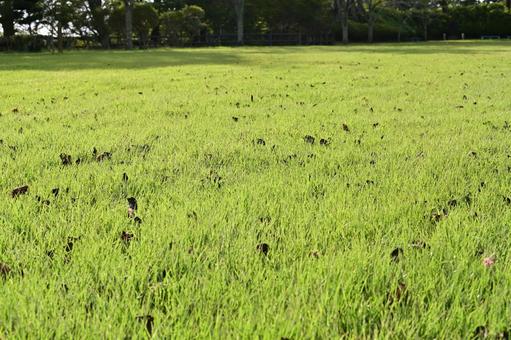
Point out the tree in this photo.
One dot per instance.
(7, 17)
(423, 10)
(373, 8)
(128, 21)
(30, 14)
(343, 8)
(182, 26)
(239, 8)
(98, 12)
(145, 19)
(57, 15)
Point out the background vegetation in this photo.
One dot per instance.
(36, 24)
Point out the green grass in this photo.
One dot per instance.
(208, 193)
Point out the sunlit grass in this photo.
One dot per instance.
(416, 154)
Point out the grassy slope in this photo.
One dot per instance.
(318, 198)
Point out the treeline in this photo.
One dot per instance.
(35, 24)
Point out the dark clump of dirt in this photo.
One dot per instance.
(263, 248)
(309, 139)
(345, 127)
(65, 159)
(19, 191)
(124, 177)
(396, 254)
(235, 119)
(137, 220)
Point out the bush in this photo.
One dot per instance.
(383, 31)
(22, 43)
(479, 20)
(182, 27)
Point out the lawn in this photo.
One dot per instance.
(285, 192)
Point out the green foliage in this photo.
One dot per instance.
(477, 20)
(145, 19)
(22, 43)
(182, 26)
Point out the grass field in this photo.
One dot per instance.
(377, 226)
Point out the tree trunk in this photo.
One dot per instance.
(425, 32)
(60, 38)
(508, 3)
(370, 30)
(105, 41)
(239, 7)
(99, 22)
(7, 18)
(129, 23)
(345, 29)
(343, 7)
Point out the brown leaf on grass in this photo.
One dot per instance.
(104, 156)
(419, 244)
(5, 270)
(126, 237)
(65, 159)
(398, 295)
(55, 192)
(19, 191)
(309, 139)
(132, 206)
(324, 142)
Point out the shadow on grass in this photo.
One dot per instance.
(419, 48)
(144, 59)
(111, 60)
